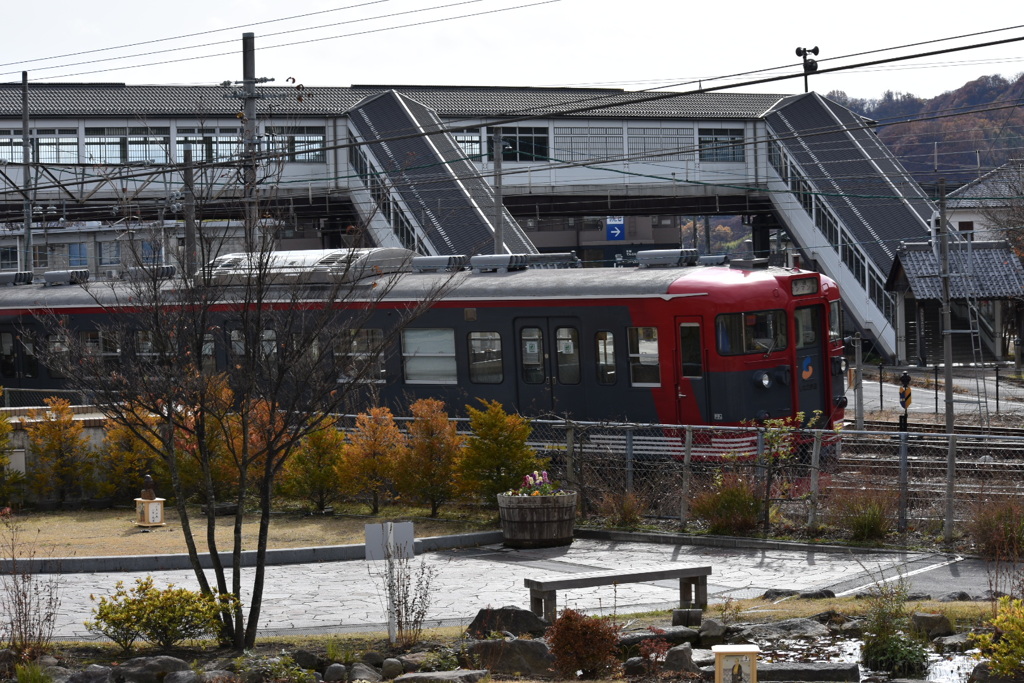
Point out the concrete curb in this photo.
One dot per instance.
(150, 563)
(344, 553)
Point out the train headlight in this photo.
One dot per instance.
(762, 379)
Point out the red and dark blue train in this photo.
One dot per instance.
(668, 343)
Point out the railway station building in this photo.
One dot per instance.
(601, 172)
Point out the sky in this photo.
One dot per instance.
(635, 45)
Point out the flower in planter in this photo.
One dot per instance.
(538, 484)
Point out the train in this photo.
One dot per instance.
(678, 340)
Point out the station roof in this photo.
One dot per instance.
(978, 270)
(66, 100)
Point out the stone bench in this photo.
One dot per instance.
(693, 586)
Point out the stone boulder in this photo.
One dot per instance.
(182, 677)
(391, 668)
(361, 671)
(458, 676)
(712, 632)
(788, 628)
(509, 619)
(932, 625)
(147, 669)
(680, 658)
(674, 635)
(530, 658)
(335, 672)
(94, 673)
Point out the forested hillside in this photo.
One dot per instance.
(977, 126)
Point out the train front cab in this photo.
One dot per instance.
(762, 358)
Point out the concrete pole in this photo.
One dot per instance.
(26, 181)
(499, 207)
(190, 214)
(249, 138)
(947, 333)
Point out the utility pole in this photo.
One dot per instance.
(249, 137)
(947, 325)
(499, 207)
(190, 214)
(26, 181)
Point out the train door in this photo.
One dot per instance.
(691, 377)
(549, 373)
(17, 361)
(810, 360)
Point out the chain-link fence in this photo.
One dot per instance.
(980, 394)
(801, 479)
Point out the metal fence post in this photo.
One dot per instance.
(950, 488)
(881, 404)
(629, 459)
(901, 523)
(936, 389)
(997, 388)
(812, 516)
(570, 457)
(684, 495)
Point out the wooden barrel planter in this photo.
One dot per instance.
(537, 521)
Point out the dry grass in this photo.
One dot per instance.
(113, 532)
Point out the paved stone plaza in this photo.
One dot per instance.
(346, 596)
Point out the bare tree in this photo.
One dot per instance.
(233, 366)
(1003, 209)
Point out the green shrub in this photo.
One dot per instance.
(997, 528)
(867, 514)
(888, 645)
(30, 672)
(1005, 647)
(496, 457)
(731, 506)
(282, 669)
(162, 617)
(583, 647)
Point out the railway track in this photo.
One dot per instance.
(934, 428)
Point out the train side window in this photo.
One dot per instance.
(835, 321)
(605, 342)
(236, 345)
(567, 355)
(807, 320)
(644, 367)
(485, 358)
(8, 368)
(28, 348)
(361, 355)
(102, 344)
(268, 343)
(531, 345)
(209, 354)
(754, 332)
(690, 352)
(428, 355)
(58, 350)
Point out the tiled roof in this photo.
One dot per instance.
(981, 270)
(990, 190)
(107, 99)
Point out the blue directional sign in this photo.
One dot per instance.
(615, 227)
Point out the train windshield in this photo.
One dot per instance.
(753, 332)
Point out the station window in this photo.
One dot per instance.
(361, 355)
(721, 144)
(567, 354)
(428, 356)
(78, 254)
(644, 368)
(755, 332)
(485, 358)
(605, 343)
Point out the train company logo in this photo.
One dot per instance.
(807, 371)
